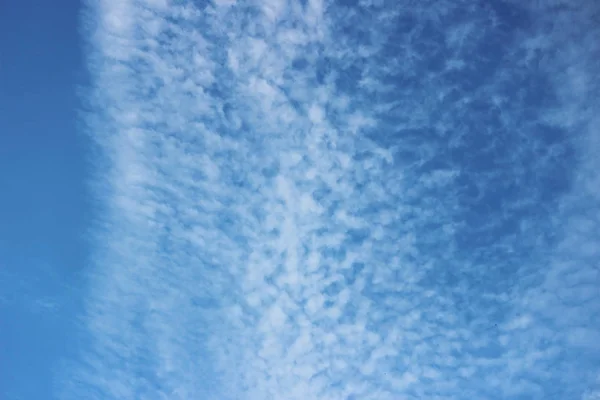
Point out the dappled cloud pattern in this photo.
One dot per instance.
(342, 200)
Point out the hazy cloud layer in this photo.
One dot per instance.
(343, 200)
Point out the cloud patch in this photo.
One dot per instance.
(326, 200)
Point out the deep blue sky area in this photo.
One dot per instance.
(42, 193)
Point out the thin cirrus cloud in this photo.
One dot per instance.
(325, 200)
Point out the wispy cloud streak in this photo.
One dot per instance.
(322, 200)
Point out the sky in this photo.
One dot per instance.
(330, 200)
(44, 208)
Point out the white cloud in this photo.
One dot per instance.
(295, 208)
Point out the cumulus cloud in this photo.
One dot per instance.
(322, 200)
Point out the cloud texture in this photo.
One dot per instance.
(343, 200)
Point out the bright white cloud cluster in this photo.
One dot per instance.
(325, 200)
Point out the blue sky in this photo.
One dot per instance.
(44, 209)
(300, 200)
